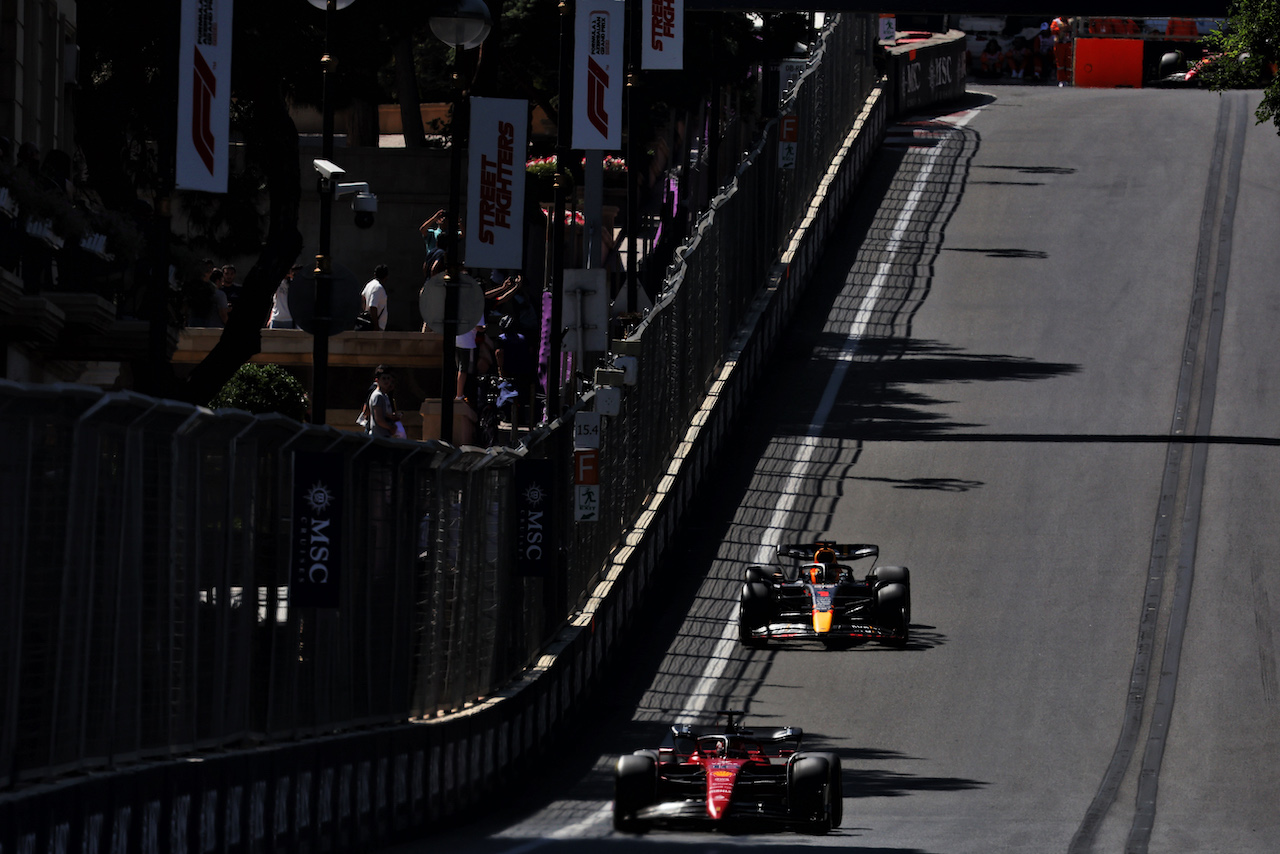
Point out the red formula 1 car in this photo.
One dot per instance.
(822, 598)
(728, 776)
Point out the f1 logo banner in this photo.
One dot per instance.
(535, 546)
(495, 222)
(598, 74)
(662, 42)
(204, 96)
(316, 561)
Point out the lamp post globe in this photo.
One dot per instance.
(461, 23)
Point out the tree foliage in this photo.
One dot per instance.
(263, 388)
(1249, 48)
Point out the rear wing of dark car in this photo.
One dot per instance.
(844, 551)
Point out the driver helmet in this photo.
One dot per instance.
(824, 570)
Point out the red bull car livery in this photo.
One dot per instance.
(821, 597)
(729, 776)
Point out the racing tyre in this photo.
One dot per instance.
(809, 792)
(893, 610)
(835, 787)
(890, 575)
(635, 786)
(756, 574)
(753, 611)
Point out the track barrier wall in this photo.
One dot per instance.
(161, 693)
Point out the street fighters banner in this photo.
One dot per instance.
(204, 96)
(598, 75)
(315, 565)
(662, 45)
(535, 545)
(495, 216)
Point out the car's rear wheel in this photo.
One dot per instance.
(809, 793)
(635, 786)
(835, 788)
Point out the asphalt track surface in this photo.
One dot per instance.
(1039, 368)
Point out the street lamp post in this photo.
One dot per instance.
(461, 24)
(322, 321)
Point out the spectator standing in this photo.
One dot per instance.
(516, 367)
(1061, 28)
(280, 318)
(230, 286)
(221, 306)
(374, 298)
(383, 417)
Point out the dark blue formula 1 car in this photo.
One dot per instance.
(821, 597)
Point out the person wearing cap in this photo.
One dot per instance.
(383, 417)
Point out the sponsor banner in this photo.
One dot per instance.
(598, 74)
(535, 547)
(495, 214)
(204, 96)
(315, 569)
(662, 27)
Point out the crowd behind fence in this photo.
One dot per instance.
(145, 545)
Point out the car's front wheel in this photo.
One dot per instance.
(809, 793)
(635, 786)
(893, 611)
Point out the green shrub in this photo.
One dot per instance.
(263, 388)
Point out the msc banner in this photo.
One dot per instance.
(662, 24)
(598, 74)
(204, 95)
(495, 216)
(535, 551)
(316, 563)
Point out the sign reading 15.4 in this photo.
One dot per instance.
(586, 430)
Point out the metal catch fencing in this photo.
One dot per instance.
(710, 287)
(145, 587)
(145, 545)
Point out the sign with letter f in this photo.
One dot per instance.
(598, 76)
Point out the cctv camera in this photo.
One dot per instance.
(328, 170)
(365, 205)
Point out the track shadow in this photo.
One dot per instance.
(882, 397)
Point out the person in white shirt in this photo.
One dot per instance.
(280, 318)
(374, 298)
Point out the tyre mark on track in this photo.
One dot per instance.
(1266, 646)
(1205, 365)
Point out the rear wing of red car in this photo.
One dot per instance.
(843, 551)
